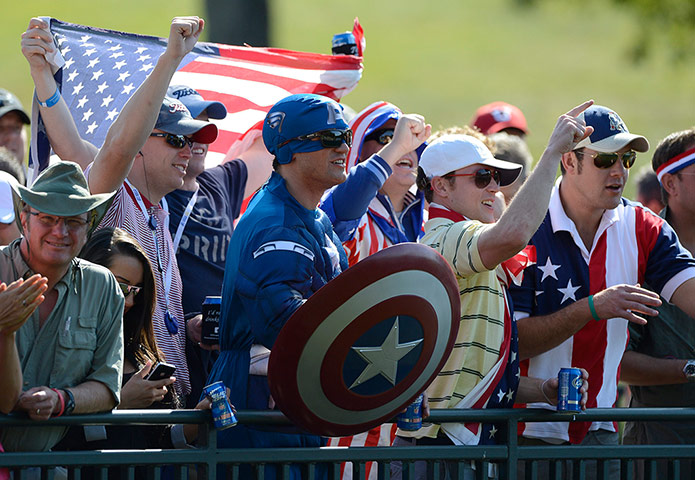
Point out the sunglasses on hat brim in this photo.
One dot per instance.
(482, 176)
(607, 160)
(332, 138)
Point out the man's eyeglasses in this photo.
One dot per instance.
(382, 137)
(176, 141)
(333, 138)
(483, 177)
(607, 160)
(50, 221)
(128, 289)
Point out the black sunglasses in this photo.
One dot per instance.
(382, 137)
(333, 138)
(483, 177)
(607, 160)
(176, 141)
(128, 289)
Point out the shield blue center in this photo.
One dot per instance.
(383, 356)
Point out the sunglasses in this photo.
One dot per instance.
(176, 141)
(482, 177)
(382, 137)
(333, 138)
(128, 289)
(607, 160)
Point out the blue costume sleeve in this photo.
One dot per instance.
(274, 279)
(345, 204)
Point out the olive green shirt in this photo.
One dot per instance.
(81, 340)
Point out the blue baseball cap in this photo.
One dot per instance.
(195, 103)
(299, 115)
(175, 118)
(610, 133)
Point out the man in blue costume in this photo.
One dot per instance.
(283, 250)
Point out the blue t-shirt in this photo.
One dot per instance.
(203, 247)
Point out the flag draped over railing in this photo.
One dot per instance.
(98, 70)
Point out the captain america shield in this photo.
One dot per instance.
(366, 344)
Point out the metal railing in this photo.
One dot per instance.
(204, 460)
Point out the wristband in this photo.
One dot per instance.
(592, 309)
(52, 100)
(62, 402)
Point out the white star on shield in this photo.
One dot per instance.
(384, 358)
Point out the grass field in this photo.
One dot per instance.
(443, 58)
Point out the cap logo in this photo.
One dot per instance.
(333, 114)
(616, 123)
(275, 120)
(502, 114)
(176, 107)
(183, 92)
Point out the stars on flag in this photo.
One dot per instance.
(548, 270)
(568, 292)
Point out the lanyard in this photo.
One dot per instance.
(184, 218)
(152, 223)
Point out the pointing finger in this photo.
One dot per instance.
(580, 108)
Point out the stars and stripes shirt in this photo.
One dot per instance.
(125, 213)
(632, 245)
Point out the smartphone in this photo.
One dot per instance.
(161, 371)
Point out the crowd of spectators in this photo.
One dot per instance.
(101, 279)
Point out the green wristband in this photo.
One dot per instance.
(592, 309)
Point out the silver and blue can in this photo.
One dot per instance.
(568, 395)
(344, 44)
(411, 419)
(222, 413)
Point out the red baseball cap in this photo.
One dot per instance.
(496, 116)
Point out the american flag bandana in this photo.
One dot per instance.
(98, 70)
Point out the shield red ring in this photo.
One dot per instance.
(308, 362)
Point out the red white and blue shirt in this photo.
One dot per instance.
(632, 245)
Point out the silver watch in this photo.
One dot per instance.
(689, 370)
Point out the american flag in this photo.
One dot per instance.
(98, 70)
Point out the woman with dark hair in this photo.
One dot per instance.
(119, 252)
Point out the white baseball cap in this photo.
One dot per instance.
(452, 152)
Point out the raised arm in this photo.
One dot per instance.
(37, 43)
(516, 226)
(134, 124)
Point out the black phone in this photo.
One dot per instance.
(161, 371)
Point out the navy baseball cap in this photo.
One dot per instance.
(195, 103)
(299, 115)
(610, 133)
(175, 118)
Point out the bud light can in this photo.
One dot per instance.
(411, 419)
(222, 413)
(568, 394)
(344, 44)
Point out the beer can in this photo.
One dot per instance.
(344, 44)
(568, 394)
(222, 413)
(211, 320)
(411, 419)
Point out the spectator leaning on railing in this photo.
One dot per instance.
(71, 346)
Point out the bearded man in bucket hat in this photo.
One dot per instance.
(66, 325)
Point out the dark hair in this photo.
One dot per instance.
(9, 164)
(671, 146)
(578, 153)
(102, 248)
(424, 184)
(648, 186)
